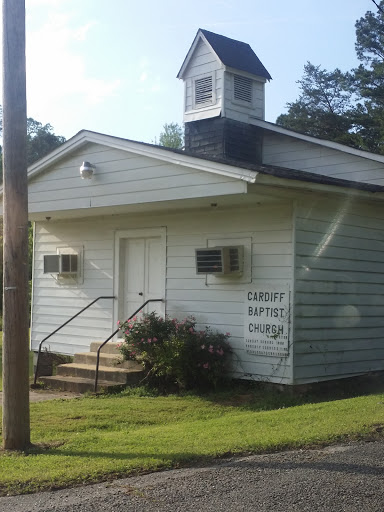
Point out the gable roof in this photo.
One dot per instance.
(232, 53)
(170, 155)
(266, 125)
(235, 169)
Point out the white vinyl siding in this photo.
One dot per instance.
(240, 110)
(285, 151)
(202, 65)
(339, 306)
(218, 305)
(121, 178)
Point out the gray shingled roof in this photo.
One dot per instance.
(272, 170)
(234, 54)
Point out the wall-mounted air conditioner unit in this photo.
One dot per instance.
(62, 264)
(220, 260)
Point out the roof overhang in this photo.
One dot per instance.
(291, 184)
(314, 140)
(139, 148)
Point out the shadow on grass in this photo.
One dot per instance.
(259, 396)
(235, 460)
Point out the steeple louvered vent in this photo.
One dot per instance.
(203, 91)
(242, 88)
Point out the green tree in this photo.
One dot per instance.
(346, 107)
(368, 79)
(41, 140)
(322, 109)
(172, 136)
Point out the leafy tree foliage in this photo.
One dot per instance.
(369, 79)
(40, 140)
(346, 107)
(172, 136)
(321, 110)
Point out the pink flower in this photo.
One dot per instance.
(142, 339)
(154, 339)
(119, 345)
(206, 366)
(149, 340)
(118, 322)
(220, 352)
(202, 347)
(227, 333)
(211, 349)
(190, 329)
(126, 332)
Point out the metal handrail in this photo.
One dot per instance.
(113, 334)
(58, 329)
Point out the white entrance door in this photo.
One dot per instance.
(143, 274)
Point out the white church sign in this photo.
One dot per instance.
(267, 320)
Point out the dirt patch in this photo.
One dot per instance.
(42, 395)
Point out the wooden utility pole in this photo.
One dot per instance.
(16, 426)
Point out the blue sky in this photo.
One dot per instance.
(111, 66)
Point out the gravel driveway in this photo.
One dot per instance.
(346, 478)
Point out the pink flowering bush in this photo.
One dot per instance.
(174, 352)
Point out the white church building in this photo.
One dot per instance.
(273, 236)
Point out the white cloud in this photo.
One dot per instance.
(143, 63)
(55, 71)
(82, 32)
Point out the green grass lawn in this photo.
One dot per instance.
(94, 438)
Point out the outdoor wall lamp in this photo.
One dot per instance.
(86, 171)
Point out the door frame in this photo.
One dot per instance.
(121, 235)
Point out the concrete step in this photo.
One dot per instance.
(105, 360)
(78, 384)
(106, 373)
(79, 376)
(110, 348)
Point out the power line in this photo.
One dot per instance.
(378, 6)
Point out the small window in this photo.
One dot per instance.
(203, 91)
(242, 89)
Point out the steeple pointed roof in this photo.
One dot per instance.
(232, 53)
